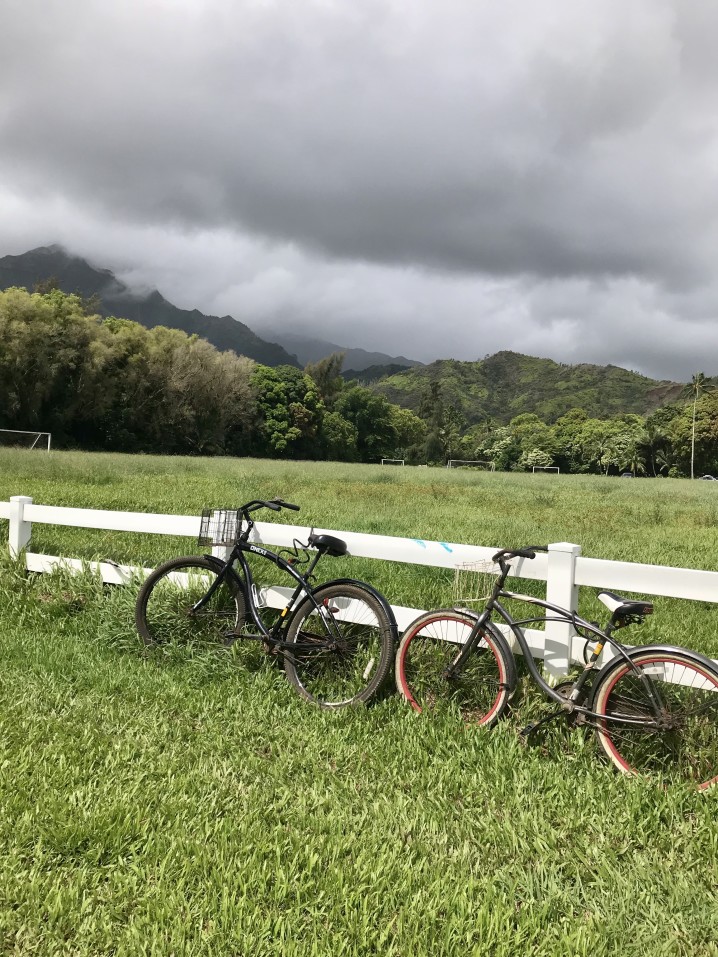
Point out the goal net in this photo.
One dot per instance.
(546, 468)
(392, 461)
(21, 439)
(471, 464)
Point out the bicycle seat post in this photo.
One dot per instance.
(313, 563)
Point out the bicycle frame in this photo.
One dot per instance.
(569, 704)
(246, 583)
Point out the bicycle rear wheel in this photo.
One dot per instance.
(164, 608)
(341, 648)
(673, 699)
(480, 692)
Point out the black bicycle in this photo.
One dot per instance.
(654, 708)
(336, 639)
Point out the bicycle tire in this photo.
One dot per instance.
(164, 603)
(480, 692)
(352, 671)
(683, 743)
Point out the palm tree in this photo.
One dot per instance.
(697, 385)
(653, 441)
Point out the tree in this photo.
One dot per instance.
(535, 458)
(51, 364)
(290, 412)
(501, 448)
(431, 406)
(694, 436)
(654, 444)
(371, 416)
(327, 375)
(410, 432)
(594, 442)
(531, 434)
(623, 451)
(451, 429)
(567, 435)
(697, 385)
(339, 438)
(433, 451)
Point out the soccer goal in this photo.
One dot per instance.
(19, 438)
(392, 461)
(471, 464)
(546, 468)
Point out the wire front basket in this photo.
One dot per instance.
(220, 526)
(474, 581)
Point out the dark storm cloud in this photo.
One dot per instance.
(514, 174)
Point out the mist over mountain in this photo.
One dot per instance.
(75, 275)
(309, 349)
(495, 389)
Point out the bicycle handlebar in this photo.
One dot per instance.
(276, 505)
(528, 551)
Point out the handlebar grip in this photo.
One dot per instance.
(275, 506)
(528, 552)
(283, 504)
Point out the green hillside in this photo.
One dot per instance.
(507, 384)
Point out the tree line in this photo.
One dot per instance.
(109, 383)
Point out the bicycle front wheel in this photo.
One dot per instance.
(659, 716)
(480, 692)
(340, 649)
(165, 608)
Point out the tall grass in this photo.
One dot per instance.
(172, 803)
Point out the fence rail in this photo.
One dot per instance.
(563, 569)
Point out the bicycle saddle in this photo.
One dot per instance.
(621, 607)
(329, 544)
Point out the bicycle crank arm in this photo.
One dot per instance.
(530, 729)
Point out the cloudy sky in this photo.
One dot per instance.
(428, 178)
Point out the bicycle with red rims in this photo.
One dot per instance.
(336, 639)
(654, 708)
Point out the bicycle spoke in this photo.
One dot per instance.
(477, 692)
(339, 652)
(679, 739)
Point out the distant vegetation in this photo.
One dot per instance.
(109, 383)
(508, 384)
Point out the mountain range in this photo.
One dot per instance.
(498, 387)
(112, 297)
(507, 384)
(355, 360)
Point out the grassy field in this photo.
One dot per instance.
(171, 803)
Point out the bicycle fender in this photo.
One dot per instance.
(501, 641)
(370, 588)
(695, 656)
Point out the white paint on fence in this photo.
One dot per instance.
(563, 568)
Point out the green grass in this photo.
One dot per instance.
(172, 803)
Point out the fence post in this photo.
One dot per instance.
(20, 530)
(561, 589)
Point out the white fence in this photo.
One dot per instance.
(563, 568)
